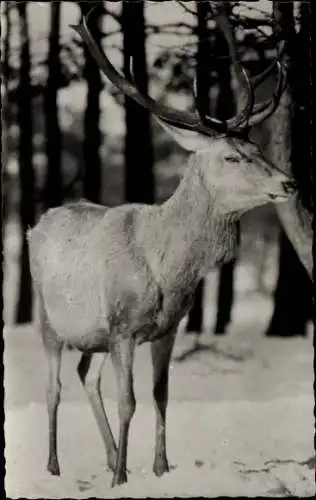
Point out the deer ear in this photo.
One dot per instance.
(187, 139)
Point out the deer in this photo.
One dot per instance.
(108, 279)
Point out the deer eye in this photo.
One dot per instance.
(249, 160)
(232, 159)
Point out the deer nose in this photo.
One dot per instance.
(289, 186)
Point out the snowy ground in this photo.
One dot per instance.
(240, 418)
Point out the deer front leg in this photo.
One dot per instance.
(161, 353)
(122, 356)
(89, 371)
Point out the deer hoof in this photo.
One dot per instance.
(53, 468)
(160, 468)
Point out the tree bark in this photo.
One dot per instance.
(26, 177)
(53, 138)
(225, 297)
(4, 112)
(6, 48)
(139, 159)
(296, 218)
(224, 110)
(195, 318)
(203, 81)
(293, 293)
(92, 135)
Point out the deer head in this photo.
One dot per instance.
(233, 166)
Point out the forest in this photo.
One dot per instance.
(240, 415)
(49, 163)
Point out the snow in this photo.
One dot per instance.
(240, 418)
(210, 457)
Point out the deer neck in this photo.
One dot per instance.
(193, 235)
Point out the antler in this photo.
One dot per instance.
(261, 111)
(250, 114)
(183, 119)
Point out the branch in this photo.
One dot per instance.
(186, 8)
(166, 26)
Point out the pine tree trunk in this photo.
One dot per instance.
(295, 216)
(293, 293)
(53, 139)
(139, 176)
(6, 48)
(4, 113)
(92, 134)
(25, 157)
(225, 297)
(203, 80)
(225, 109)
(195, 318)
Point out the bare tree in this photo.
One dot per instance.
(203, 81)
(25, 158)
(224, 110)
(5, 65)
(5, 60)
(139, 176)
(295, 217)
(92, 134)
(53, 138)
(293, 293)
(292, 296)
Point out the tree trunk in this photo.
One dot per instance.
(203, 80)
(4, 113)
(92, 134)
(225, 297)
(25, 157)
(224, 110)
(6, 47)
(139, 176)
(195, 318)
(53, 138)
(293, 294)
(295, 217)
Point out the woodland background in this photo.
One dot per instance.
(67, 134)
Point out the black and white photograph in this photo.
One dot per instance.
(157, 212)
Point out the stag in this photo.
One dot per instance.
(109, 279)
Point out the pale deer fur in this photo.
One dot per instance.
(110, 278)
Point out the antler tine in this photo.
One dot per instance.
(255, 81)
(183, 119)
(257, 113)
(220, 16)
(260, 106)
(230, 123)
(263, 110)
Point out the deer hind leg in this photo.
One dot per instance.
(161, 353)
(53, 350)
(122, 357)
(53, 400)
(89, 371)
